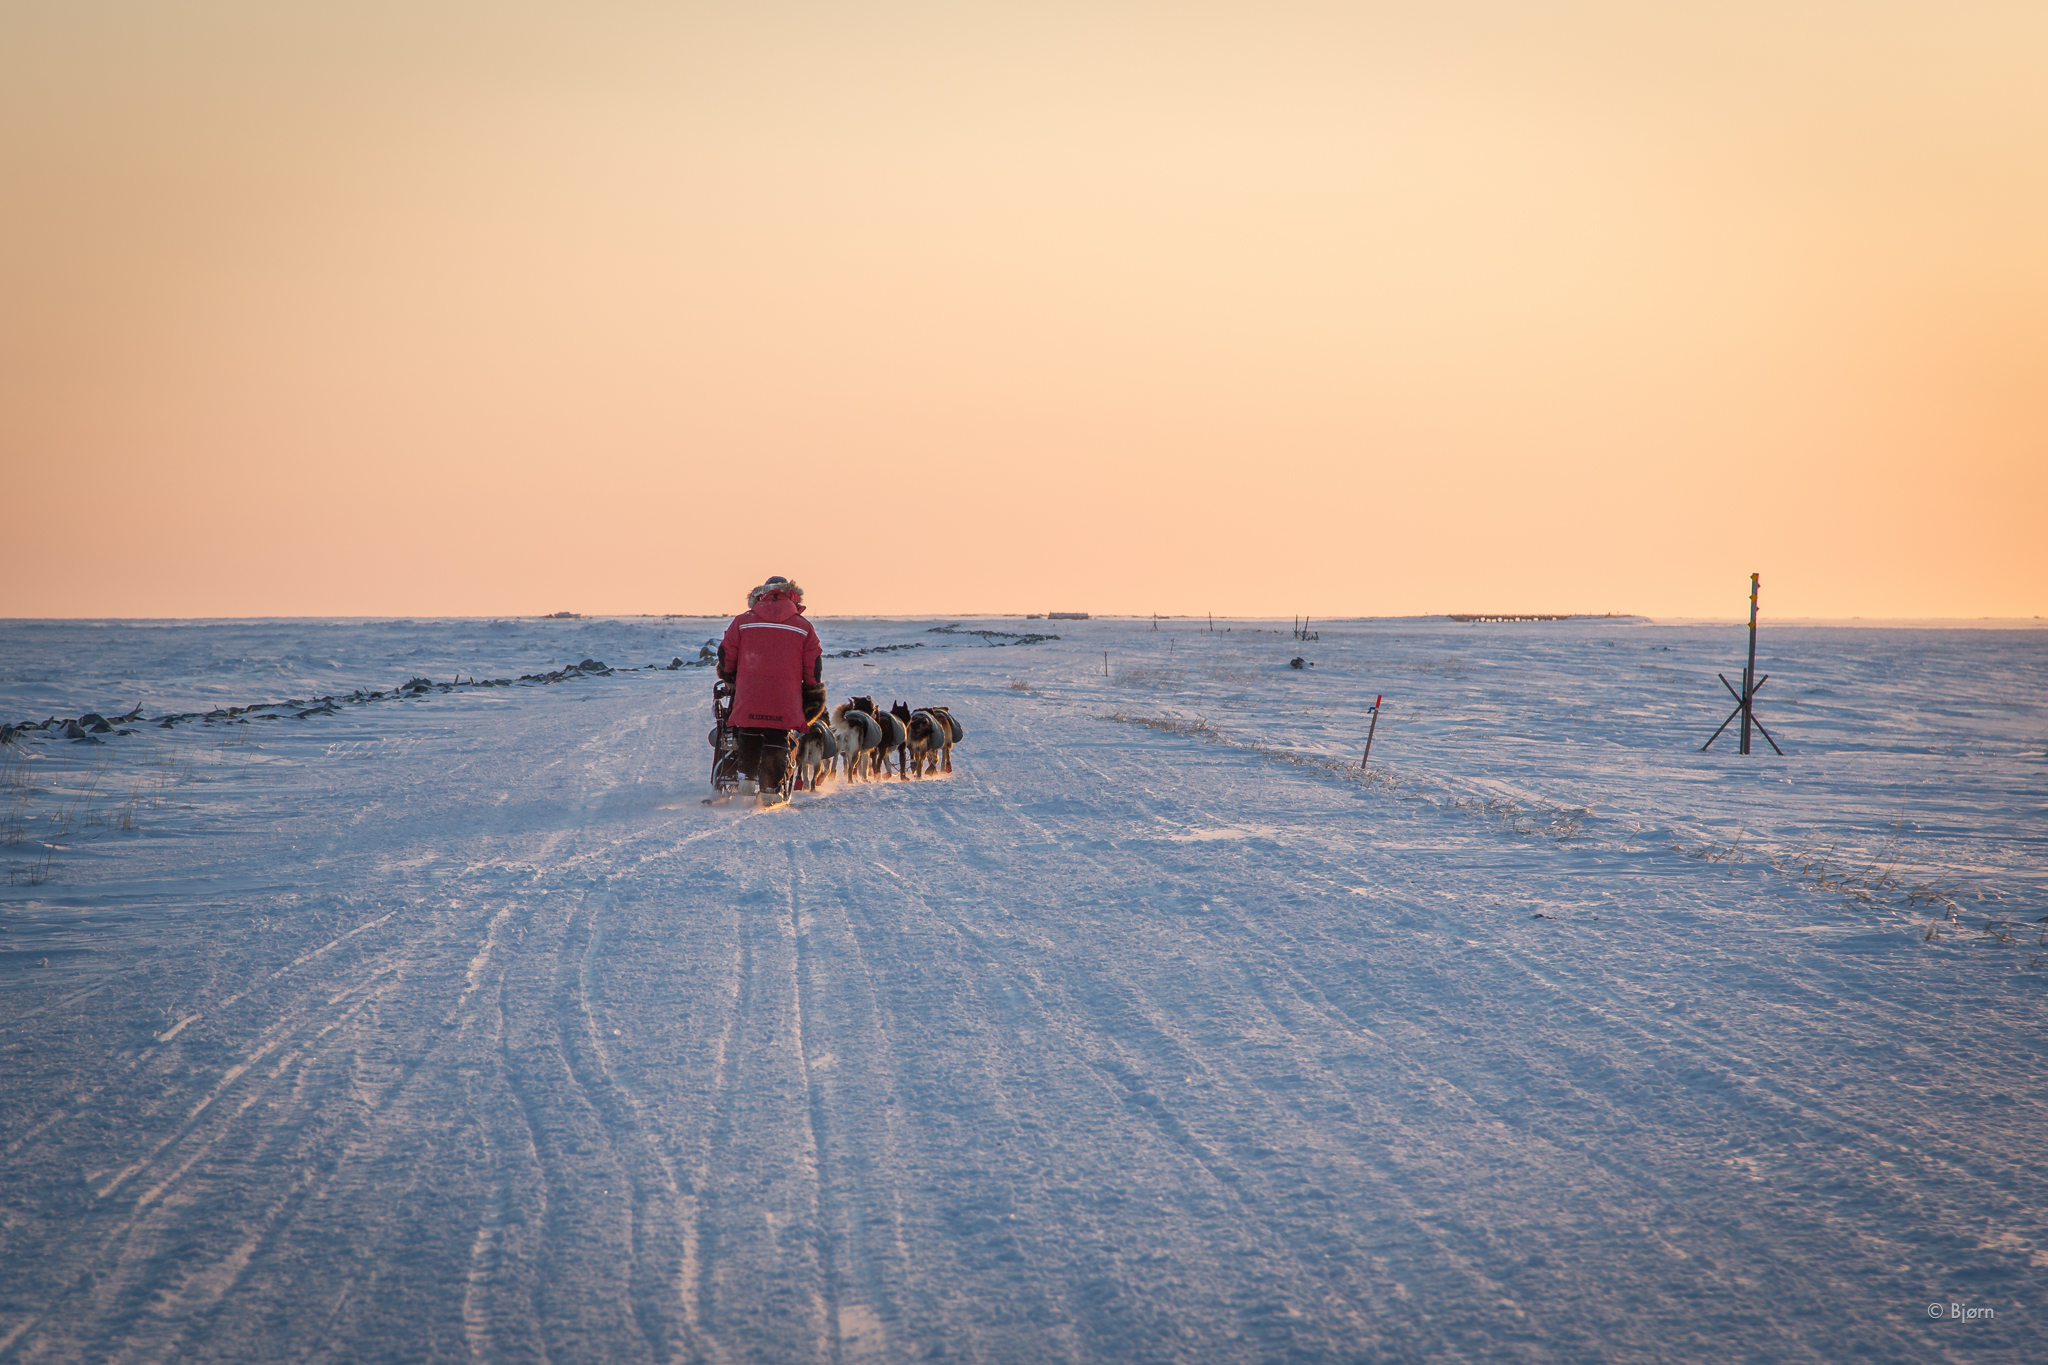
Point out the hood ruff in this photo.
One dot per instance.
(789, 590)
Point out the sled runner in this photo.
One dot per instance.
(725, 745)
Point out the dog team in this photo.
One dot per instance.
(859, 738)
(770, 705)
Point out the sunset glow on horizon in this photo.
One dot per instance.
(467, 309)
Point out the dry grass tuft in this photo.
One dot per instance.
(1871, 880)
(14, 824)
(1150, 679)
(80, 797)
(1561, 823)
(1199, 728)
(35, 872)
(1815, 864)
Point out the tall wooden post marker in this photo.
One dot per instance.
(1745, 700)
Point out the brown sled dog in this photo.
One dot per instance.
(931, 732)
(954, 733)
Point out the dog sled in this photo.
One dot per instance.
(726, 779)
(922, 740)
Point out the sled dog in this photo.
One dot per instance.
(955, 732)
(894, 740)
(859, 738)
(814, 754)
(930, 736)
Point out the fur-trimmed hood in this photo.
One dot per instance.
(771, 588)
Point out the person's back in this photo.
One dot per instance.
(775, 663)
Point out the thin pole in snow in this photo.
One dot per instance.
(1749, 669)
(1370, 729)
(1105, 663)
(1745, 700)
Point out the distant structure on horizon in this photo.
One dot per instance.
(1560, 616)
(563, 616)
(1066, 616)
(1502, 616)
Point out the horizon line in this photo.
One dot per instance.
(1462, 618)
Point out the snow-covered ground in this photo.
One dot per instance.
(453, 1024)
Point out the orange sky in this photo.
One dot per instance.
(493, 308)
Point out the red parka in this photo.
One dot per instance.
(769, 652)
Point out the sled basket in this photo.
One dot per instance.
(725, 746)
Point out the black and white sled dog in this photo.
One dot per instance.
(814, 754)
(930, 733)
(859, 736)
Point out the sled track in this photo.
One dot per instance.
(1124, 1047)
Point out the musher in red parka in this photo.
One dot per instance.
(775, 663)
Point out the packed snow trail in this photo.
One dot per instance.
(465, 1031)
